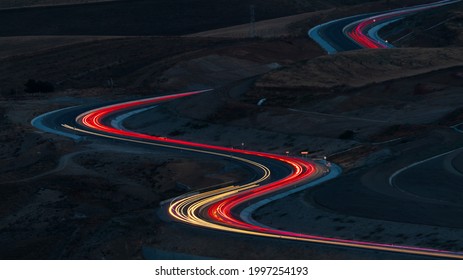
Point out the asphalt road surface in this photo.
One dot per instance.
(361, 31)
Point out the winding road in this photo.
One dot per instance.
(361, 31)
(230, 208)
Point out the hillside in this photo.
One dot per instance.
(364, 67)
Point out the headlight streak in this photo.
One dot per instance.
(213, 209)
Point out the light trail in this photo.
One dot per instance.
(215, 209)
(358, 31)
(361, 31)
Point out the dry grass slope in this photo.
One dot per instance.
(5, 4)
(360, 68)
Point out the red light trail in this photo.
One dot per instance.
(359, 30)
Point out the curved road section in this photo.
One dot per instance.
(361, 31)
(223, 208)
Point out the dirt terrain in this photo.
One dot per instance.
(14, 46)
(365, 67)
(89, 64)
(98, 199)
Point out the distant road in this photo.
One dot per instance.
(361, 31)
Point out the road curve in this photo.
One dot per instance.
(220, 208)
(361, 31)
